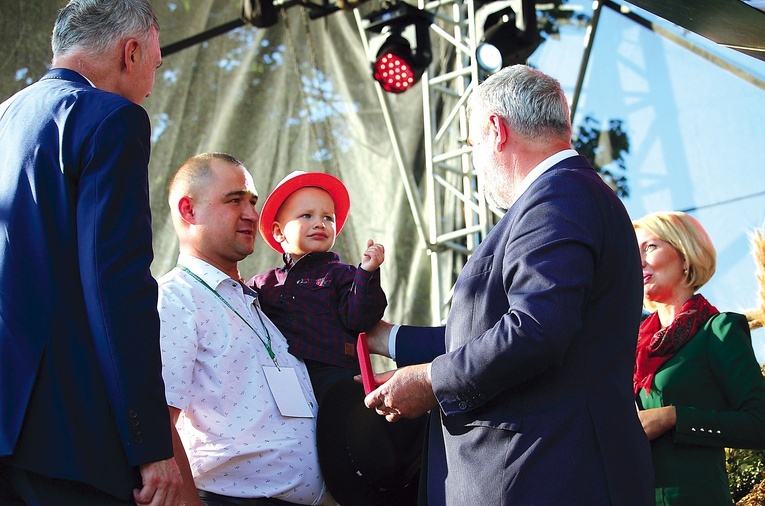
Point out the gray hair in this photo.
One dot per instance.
(530, 101)
(95, 25)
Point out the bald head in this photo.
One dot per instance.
(212, 200)
(195, 174)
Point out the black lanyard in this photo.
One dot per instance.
(266, 343)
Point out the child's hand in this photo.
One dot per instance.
(373, 256)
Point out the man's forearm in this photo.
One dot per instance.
(189, 495)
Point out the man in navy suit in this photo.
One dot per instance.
(530, 381)
(84, 416)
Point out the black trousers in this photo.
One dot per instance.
(211, 499)
(19, 487)
(324, 376)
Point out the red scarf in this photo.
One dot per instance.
(656, 345)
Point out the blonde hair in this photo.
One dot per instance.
(688, 237)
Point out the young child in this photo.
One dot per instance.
(319, 303)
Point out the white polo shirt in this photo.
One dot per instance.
(238, 443)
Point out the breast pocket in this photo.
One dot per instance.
(473, 282)
(316, 295)
(477, 267)
(478, 299)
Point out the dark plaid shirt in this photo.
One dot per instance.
(320, 305)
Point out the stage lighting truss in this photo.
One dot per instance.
(397, 67)
(503, 42)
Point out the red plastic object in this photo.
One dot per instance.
(367, 375)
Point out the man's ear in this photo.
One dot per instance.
(276, 229)
(131, 53)
(186, 209)
(500, 129)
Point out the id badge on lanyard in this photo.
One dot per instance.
(285, 388)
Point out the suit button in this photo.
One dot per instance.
(463, 405)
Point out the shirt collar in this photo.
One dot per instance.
(310, 259)
(68, 74)
(211, 275)
(540, 169)
(89, 81)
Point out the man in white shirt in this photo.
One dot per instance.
(243, 407)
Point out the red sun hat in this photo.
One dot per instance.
(293, 182)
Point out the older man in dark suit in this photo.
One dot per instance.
(532, 399)
(84, 417)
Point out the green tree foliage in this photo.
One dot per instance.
(606, 150)
(746, 468)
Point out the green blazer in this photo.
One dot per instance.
(718, 391)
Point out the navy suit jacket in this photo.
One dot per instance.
(535, 387)
(81, 391)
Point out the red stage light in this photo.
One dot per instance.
(394, 72)
(397, 66)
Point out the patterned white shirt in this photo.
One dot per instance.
(238, 443)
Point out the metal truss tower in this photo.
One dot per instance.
(448, 207)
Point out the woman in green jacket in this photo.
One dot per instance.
(697, 383)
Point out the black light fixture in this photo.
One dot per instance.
(259, 13)
(503, 43)
(397, 67)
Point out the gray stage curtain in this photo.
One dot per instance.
(295, 96)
